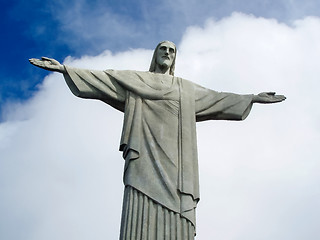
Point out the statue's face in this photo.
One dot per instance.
(165, 54)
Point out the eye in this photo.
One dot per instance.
(171, 50)
(163, 48)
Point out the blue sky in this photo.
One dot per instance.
(62, 28)
(60, 171)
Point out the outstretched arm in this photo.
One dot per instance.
(49, 64)
(267, 97)
(212, 105)
(86, 83)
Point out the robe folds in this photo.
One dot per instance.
(159, 129)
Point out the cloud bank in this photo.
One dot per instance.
(61, 174)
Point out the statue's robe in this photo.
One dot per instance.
(158, 143)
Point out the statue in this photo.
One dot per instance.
(158, 138)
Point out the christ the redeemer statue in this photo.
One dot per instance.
(158, 138)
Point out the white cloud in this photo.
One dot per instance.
(97, 25)
(61, 173)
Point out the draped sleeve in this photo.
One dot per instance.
(95, 85)
(212, 105)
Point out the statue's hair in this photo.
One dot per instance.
(154, 58)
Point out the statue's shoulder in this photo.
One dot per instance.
(187, 83)
(116, 71)
(128, 74)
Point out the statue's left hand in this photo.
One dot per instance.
(268, 97)
(48, 64)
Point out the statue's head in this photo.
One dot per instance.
(164, 54)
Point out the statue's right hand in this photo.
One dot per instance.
(48, 64)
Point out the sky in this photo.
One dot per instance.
(60, 168)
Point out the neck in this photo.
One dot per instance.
(162, 69)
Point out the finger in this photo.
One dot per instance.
(281, 97)
(34, 61)
(46, 58)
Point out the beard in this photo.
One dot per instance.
(164, 63)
